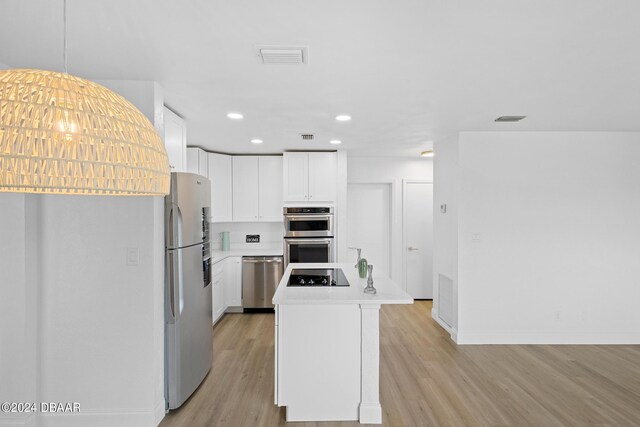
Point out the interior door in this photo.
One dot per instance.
(369, 224)
(418, 220)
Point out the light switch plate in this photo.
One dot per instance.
(133, 256)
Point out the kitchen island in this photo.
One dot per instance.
(327, 349)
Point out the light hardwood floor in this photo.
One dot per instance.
(426, 380)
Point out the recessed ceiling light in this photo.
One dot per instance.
(343, 118)
(510, 118)
(256, 141)
(235, 116)
(335, 141)
(428, 153)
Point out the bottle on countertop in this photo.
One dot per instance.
(361, 265)
(370, 289)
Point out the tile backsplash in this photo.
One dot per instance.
(271, 233)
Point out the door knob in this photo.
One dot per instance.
(412, 248)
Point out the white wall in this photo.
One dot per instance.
(99, 319)
(18, 305)
(391, 170)
(445, 255)
(556, 220)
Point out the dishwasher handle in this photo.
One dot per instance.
(262, 260)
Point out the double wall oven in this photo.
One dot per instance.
(308, 234)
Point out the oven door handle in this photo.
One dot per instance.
(289, 217)
(314, 240)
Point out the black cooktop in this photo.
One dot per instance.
(317, 277)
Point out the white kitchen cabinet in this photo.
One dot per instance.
(175, 140)
(197, 161)
(270, 188)
(309, 177)
(220, 175)
(219, 304)
(246, 204)
(296, 177)
(257, 188)
(233, 283)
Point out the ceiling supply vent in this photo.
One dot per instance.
(307, 136)
(295, 55)
(510, 118)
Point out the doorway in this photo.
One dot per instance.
(418, 237)
(369, 224)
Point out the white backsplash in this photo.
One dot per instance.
(271, 234)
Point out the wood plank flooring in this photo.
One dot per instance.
(426, 380)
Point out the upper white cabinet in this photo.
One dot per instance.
(245, 188)
(257, 188)
(270, 188)
(197, 161)
(309, 177)
(220, 175)
(175, 140)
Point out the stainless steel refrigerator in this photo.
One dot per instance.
(188, 325)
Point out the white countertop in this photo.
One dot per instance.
(388, 291)
(218, 255)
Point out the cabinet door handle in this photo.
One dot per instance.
(412, 248)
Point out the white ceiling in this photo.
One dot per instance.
(409, 71)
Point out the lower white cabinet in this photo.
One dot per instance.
(227, 287)
(233, 283)
(217, 293)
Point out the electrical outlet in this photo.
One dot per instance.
(252, 238)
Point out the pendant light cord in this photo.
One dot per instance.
(64, 18)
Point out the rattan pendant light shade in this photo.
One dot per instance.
(63, 134)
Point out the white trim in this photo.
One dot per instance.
(160, 411)
(370, 413)
(453, 332)
(18, 420)
(404, 229)
(117, 417)
(568, 338)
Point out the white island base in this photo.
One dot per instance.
(328, 348)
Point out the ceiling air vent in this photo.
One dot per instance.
(510, 118)
(282, 54)
(307, 136)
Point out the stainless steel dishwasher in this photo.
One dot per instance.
(260, 278)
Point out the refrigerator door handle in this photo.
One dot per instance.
(174, 231)
(175, 286)
(170, 296)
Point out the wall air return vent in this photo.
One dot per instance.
(510, 118)
(282, 54)
(307, 136)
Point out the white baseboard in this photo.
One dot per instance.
(370, 413)
(453, 333)
(568, 338)
(130, 418)
(160, 411)
(18, 420)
